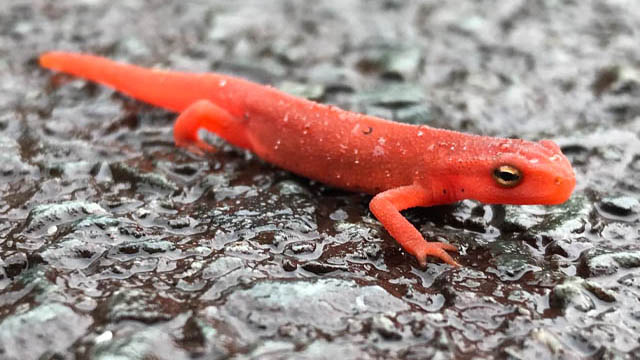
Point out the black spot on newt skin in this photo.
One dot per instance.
(444, 191)
(368, 131)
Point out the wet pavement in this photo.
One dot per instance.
(115, 244)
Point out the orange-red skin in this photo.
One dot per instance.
(341, 148)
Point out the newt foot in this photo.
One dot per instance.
(197, 147)
(435, 249)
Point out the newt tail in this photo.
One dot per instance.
(171, 90)
(402, 165)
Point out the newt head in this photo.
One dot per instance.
(513, 171)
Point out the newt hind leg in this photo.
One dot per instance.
(203, 114)
(386, 207)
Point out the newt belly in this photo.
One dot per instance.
(402, 165)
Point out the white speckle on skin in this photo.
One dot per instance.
(378, 150)
(555, 157)
(533, 161)
(222, 83)
(381, 141)
(286, 117)
(420, 133)
(431, 147)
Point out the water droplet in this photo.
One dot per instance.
(534, 161)
(222, 83)
(286, 117)
(420, 133)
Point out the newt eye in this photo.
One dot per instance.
(507, 176)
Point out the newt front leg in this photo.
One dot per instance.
(386, 207)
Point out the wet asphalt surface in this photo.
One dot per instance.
(115, 244)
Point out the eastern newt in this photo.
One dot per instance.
(402, 165)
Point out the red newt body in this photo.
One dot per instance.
(402, 165)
